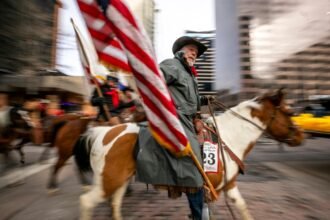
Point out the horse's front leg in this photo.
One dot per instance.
(21, 153)
(52, 183)
(17, 145)
(117, 200)
(236, 197)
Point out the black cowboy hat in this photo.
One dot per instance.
(185, 40)
(112, 78)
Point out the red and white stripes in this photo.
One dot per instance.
(158, 104)
(108, 47)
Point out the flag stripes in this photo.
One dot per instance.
(157, 102)
(108, 48)
(125, 12)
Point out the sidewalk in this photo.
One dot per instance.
(286, 185)
(15, 173)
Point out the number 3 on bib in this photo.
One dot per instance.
(210, 157)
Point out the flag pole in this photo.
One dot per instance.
(99, 93)
(206, 179)
(98, 90)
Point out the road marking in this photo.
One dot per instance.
(18, 174)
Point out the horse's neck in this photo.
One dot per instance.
(237, 133)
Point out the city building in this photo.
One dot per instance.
(27, 47)
(264, 45)
(145, 11)
(205, 63)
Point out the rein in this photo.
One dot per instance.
(221, 146)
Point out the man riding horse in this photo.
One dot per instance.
(111, 98)
(17, 127)
(180, 174)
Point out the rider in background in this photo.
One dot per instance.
(111, 97)
(127, 95)
(37, 112)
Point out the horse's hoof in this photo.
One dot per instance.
(52, 191)
(86, 188)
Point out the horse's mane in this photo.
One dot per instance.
(241, 107)
(229, 115)
(251, 103)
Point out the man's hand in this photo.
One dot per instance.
(207, 99)
(211, 98)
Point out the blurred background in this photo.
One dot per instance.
(254, 46)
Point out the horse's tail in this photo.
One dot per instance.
(81, 153)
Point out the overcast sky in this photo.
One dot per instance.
(177, 16)
(172, 20)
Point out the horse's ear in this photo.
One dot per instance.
(278, 97)
(274, 97)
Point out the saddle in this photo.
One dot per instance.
(159, 168)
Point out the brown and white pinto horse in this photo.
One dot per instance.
(64, 138)
(63, 134)
(111, 151)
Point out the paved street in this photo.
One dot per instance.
(287, 184)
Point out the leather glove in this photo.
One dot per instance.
(206, 99)
(211, 98)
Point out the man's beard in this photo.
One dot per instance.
(190, 63)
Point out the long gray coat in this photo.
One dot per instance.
(155, 165)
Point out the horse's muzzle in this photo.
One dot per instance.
(296, 138)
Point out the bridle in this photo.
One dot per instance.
(224, 147)
(292, 128)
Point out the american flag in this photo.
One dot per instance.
(94, 71)
(117, 20)
(109, 49)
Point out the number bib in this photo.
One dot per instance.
(210, 157)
